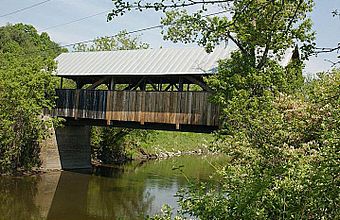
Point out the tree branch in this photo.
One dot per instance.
(266, 50)
(291, 20)
(238, 44)
(332, 62)
(123, 6)
(327, 49)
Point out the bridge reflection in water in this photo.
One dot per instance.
(127, 192)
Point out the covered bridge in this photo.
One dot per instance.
(150, 88)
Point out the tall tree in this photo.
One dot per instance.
(26, 88)
(259, 28)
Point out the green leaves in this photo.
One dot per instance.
(26, 88)
(122, 41)
(283, 150)
(257, 28)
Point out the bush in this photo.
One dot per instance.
(282, 147)
(114, 145)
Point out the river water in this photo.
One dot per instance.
(131, 191)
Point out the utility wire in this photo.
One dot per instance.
(115, 35)
(134, 31)
(92, 40)
(130, 32)
(74, 21)
(24, 9)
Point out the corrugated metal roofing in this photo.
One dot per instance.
(169, 61)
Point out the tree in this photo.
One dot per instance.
(122, 41)
(260, 29)
(272, 133)
(109, 144)
(26, 88)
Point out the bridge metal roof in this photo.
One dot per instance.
(166, 61)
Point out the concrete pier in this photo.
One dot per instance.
(67, 148)
(49, 153)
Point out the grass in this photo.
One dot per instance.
(173, 141)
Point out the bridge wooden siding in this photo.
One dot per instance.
(187, 108)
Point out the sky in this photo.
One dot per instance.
(55, 12)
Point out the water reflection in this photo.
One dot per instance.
(27, 197)
(123, 192)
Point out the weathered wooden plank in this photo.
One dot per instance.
(129, 115)
(173, 107)
(159, 106)
(184, 108)
(153, 107)
(197, 113)
(178, 109)
(193, 105)
(138, 106)
(203, 107)
(108, 107)
(118, 107)
(126, 106)
(123, 107)
(76, 106)
(160, 99)
(134, 106)
(147, 104)
(112, 106)
(167, 108)
(142, 114)
(142, 106)
(190, 108)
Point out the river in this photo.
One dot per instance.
(131, 191)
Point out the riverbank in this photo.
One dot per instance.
(162, 155)
(164, 144)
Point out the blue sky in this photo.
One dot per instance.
(57, 12)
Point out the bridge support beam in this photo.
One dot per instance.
(67, 148)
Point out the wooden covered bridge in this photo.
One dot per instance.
(152, 88)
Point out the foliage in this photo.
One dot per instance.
(111, 145)
(26, 88)
(283, 158)
(24, 41)
(258, 28)
(281, 137)
(122, 41)
(283, 161)
(166, 214)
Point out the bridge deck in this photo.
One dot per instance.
(143, 107)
